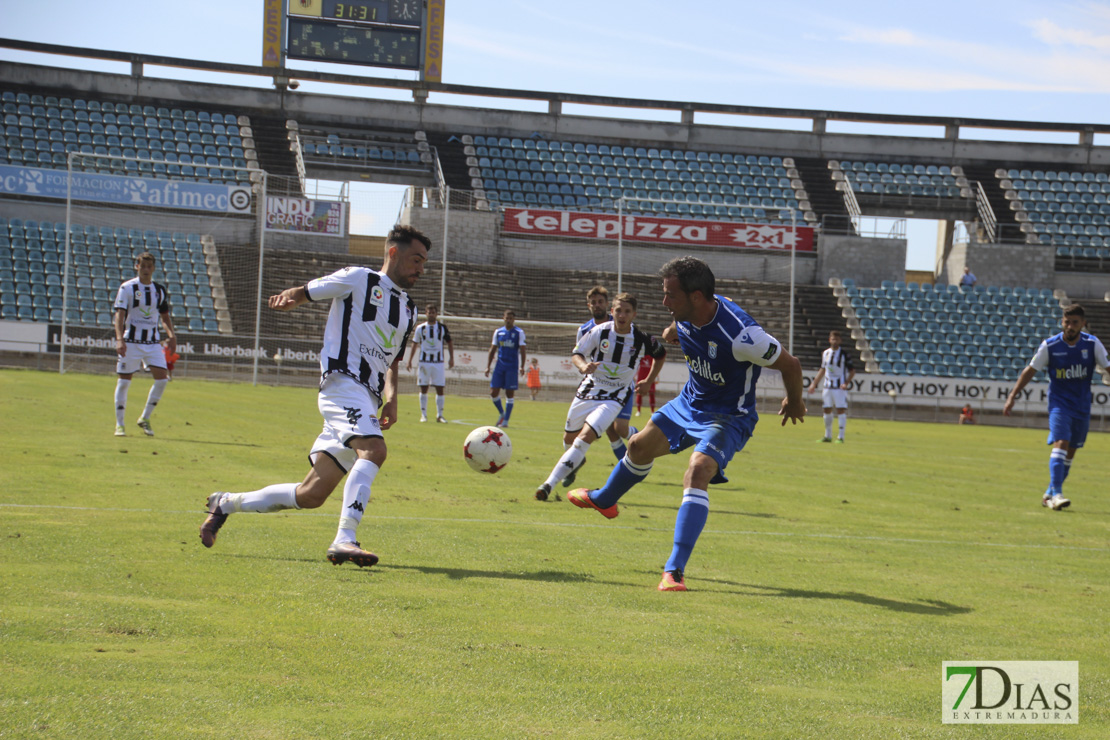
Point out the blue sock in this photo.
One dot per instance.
(497, 404)
(1067, 469)
(687, 527)
(1057, 468)
(619, 448)
(625, 475)
(508, 410)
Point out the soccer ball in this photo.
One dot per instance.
(487, 449)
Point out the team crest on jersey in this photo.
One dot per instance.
(377, 296)
(713, 350)
(1084, 353)
(604, 345)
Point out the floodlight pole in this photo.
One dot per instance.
(793, 251)
(260, 203)
(443, 260)
(620, 243)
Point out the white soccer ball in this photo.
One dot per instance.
(487, 449)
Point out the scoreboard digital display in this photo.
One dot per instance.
(373, 46)
(393, 12)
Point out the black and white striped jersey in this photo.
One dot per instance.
(617, 356)
(142, 306)
(369, 324)
(837, 365)
(432, 338)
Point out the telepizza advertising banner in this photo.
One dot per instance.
(655, 230)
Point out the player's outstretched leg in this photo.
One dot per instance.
(580, 497)
(214, 521)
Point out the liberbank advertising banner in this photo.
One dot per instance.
(325, 217)
(124, 190)
(653, 230)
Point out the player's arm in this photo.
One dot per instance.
(523, 351)
(816, 380)
(793, 407)
(489, 360)
(289, 299)
(584, 366)
(450, 354)
(670, 334)
(171, 333)
(1038, 363)
(119, 321)
(658, 355)
(1023, 380)
(388, 415)
(412, 353)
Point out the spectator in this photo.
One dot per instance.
(534, 383)
(968, 280)
(967, 414)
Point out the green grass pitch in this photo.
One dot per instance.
(829, 585)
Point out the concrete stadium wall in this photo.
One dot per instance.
(867, 260)
(1014, 265)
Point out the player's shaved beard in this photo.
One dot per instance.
(601, 314)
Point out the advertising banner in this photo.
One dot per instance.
(324, 217)
(655, 230)
(125, 190)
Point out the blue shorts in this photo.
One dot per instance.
(718, 435)
(503, 376)
(1063, 424)
(626, 411)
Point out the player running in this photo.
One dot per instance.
(368, 327)
(1070, 358)
(715, 413)
(607, 356)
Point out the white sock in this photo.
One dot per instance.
(842, 422)
(828, 425)
(277, 497)
(154, 396)
(423, 404)
(570, 460)
(121, 399)
(439, 404)
(356, 495)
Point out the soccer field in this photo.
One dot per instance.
(830, 583)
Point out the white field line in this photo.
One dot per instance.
(732, 532)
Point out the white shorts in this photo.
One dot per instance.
(132, 362)
(834, 398)
(349, 411)
(598, 414)
(430, 373)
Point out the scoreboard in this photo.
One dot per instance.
(374, 33)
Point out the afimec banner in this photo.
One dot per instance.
(654, 230)
(325, 217)
(121, 189)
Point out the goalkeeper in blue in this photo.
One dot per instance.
(1070, 359)
(715, 413)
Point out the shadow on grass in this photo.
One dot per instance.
(926, 607)
(547, 576)
(715, 512)
(209, 442)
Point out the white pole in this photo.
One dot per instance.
(443, 260)
(793, 251)
(620, 243)
(260, 203)
(65, 267)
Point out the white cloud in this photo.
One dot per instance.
(1056, 35)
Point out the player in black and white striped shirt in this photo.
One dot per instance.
(369, 324)
(837, 371)
(607, 356)
(430, 339)
(141, 305)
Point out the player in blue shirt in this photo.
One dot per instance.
(715, 414)
(1070, 358)
(508, 347)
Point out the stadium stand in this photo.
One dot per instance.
(985, 332)
(41, 130)
(900, 179)
(719, 185)
(338, 153)
(1068, 210)
(32, 257)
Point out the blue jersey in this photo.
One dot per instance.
(508, 343)
(1071, 368)
(724, 358)
(585, 328)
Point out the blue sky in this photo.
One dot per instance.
(1017, 60)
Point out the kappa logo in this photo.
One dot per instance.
(357, 506)
(353, 415)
